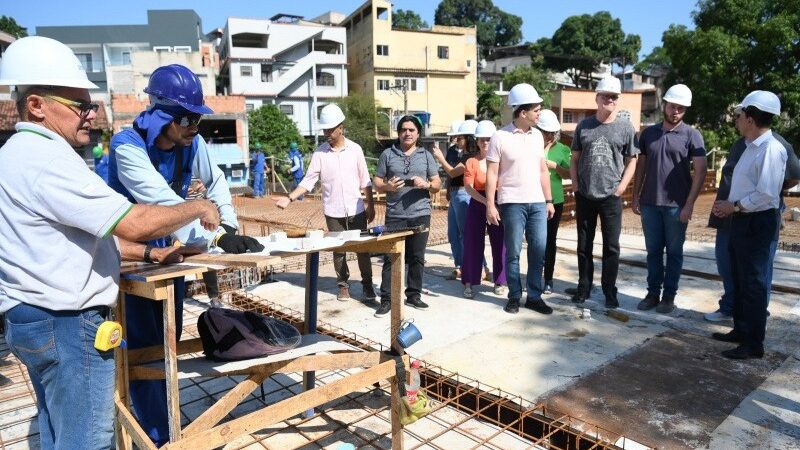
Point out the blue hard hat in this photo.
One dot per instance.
(180, 85)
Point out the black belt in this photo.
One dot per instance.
(765, 212)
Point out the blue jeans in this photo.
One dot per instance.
(531, 219)
(663, 229)
(456, 218)
(73, 381)
(725, 269)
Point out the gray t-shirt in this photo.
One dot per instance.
(408, 201)
(668, 177)
(56, 217)
(603, 148)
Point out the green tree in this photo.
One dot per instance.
(275, 131)
(408, 20)
(360, 111)
(738, 46)
(583, 42)
(495, 27)
(10, 26)
(657, 60)
(540, 79)
(490, 105)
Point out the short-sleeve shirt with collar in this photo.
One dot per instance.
(519, 156)
(56, 219)
(407, 202)
(668, 177)
(603, 148)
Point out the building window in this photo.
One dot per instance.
(86, 61)
(503, 69)
(287, 109)
(249, 107)
(266, 73)
(162, 48)
(383, 85)
(246, 71)
(182, 49)
(469, 63)
(325, 79)
(382, 50)
(126, 58)
(383, 13)
(568, 117)
(411, 84)
(443, 52)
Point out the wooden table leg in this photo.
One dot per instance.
(171, 364)
(396, 318)
(121, 387)
(312, 294)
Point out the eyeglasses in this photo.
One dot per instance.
(83, 107)
(611, 97)
(189, 120)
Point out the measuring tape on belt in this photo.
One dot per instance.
(109, 335)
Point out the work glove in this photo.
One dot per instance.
(232, 243)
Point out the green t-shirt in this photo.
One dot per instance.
(560, 154)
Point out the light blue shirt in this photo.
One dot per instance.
(56, 220)
(758, 176)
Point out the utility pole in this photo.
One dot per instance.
(404, 88)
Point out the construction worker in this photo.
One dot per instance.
(59, 263)
(258, 165)
(100, 155)
(664, 194)
(153, 163)
(295, 166)
(518, 180)
(340, 167)
(603, 163)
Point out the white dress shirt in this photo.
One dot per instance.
(758, 176)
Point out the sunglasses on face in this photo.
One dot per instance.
(189, 120)
(613, 98)
(83, 106)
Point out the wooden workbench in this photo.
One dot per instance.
(315, 353)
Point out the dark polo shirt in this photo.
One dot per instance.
(668, 177)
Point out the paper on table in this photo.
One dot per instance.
(295, 245)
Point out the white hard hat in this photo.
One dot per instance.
(764, 100)
(485, 129)
(523, 94)
(548, 121)
(680, 94)
(609, 85)
(330, 116)
(467, 127)
(454, 128)
(41, 61)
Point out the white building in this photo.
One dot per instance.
(299, 66)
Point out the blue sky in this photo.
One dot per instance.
(541, 18)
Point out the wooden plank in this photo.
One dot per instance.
(156, 352)
(129, 423)
(171, 366)
(224, 405)
(157, 272)
(396, 318)
(233, 260)
(121, 387)
(152, 290)
(338, 361)
(257, 420)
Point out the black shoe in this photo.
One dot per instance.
(512, 306)
(384, 309)
(744, 352)
(649, 302)
(578, 298)
(538, 305)
(667, 305)
(416, 303)
(612, 302)
(369, 292)
(731, 336)
(573, 291)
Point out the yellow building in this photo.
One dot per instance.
(422, 71)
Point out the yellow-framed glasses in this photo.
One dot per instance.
(83, 107)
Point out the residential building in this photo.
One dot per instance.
(5, 40)
(651, 84)
(431, 72)
(299, 66)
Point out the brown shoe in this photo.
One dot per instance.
(455, 275)
(344, 294)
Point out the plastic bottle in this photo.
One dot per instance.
(377, 230)
(413, 387)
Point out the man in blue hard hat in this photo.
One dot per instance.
(153, 163)
(296, 166)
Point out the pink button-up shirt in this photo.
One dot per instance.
(343, 174)
(520, 156)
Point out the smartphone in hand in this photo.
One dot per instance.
(408, 182)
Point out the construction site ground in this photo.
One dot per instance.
(657, 379)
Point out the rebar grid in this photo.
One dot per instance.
(16, 395)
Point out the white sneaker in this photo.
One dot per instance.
(499, 289)
(718, 316)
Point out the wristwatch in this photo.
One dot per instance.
(146, 257)
(737, 207)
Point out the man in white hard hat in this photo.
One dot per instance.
(753, 205)
(602, 164)
(59, 262)
(518, 178)
(664, 193)
(339, 165)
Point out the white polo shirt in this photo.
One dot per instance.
(56, 219)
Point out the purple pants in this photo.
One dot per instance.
(474, 244)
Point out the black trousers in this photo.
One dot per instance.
(587, 211)
(414, 258)
(550, 248)
(749, 248)
(357, 222)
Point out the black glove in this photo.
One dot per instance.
(232, 243)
